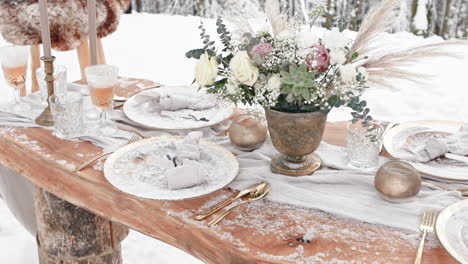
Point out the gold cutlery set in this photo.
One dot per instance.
(253, 193)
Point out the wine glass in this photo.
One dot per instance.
(101, 82)
(14, 61)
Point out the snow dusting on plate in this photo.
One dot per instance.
(140, 114)
(131, 171)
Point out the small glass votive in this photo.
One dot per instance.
(248, 132)
(397, 181)
(67, 111)
(60, 83)
(364, 145)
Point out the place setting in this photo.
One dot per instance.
(255, 130)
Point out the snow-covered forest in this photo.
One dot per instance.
(446, 18)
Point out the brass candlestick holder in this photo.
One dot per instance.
(46, 118)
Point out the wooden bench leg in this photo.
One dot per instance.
(35, 64)
(71, 235)
(84, 53)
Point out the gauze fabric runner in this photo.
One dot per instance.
(345, 192)
(337, 189)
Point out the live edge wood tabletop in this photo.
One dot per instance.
(263, 232)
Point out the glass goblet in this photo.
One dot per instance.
(101, 82)
(14, 61)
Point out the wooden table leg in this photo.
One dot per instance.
(71, 235)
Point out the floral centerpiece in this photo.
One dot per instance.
(294, 71)
(298, 73)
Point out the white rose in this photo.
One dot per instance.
(306, 39)
(334, 39)
(337, 56)
(274, 83)
(243, 69)
(363, 71)
(348, 73)
(206, 70)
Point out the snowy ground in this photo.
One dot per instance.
(153, 47)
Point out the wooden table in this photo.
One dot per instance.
(263, 232)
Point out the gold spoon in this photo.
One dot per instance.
(228, 201)
(256, 194)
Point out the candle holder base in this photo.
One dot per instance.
(45, 118)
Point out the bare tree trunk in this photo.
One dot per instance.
(445, 27)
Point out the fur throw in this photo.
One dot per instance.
(68, 21)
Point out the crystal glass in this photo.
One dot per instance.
(364, 145)
(60, 83)
(248, 131)
(14, 61)
(67, 111)
(101, 82)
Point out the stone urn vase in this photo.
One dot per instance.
(296, 136)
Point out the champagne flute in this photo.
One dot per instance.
(101, 82)
(14, 61)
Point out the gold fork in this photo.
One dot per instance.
(133, 139)
(427, 226)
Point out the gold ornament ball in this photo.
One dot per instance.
(397, 181)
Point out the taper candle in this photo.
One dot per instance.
(92, 32)
(45, 31)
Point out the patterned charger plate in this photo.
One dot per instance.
(417, 132)
(130, 169)
(141, 115)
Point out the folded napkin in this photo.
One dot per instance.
(175, 102)
(189, 174)
(157, 102)
(188, 171)
(437, 146)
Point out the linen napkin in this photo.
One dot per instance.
(437, 146)
(174, 102)
(157, 102)
(188, 172)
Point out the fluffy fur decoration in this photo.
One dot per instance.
(68, 19)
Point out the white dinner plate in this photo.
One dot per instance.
(452, 230)
(128, 169)
(144, 117)
(417, 132)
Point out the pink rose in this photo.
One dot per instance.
(319, 59)
(262, 50)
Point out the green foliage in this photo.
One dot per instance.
(224, 34)
(196, 53)
(297, 83)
